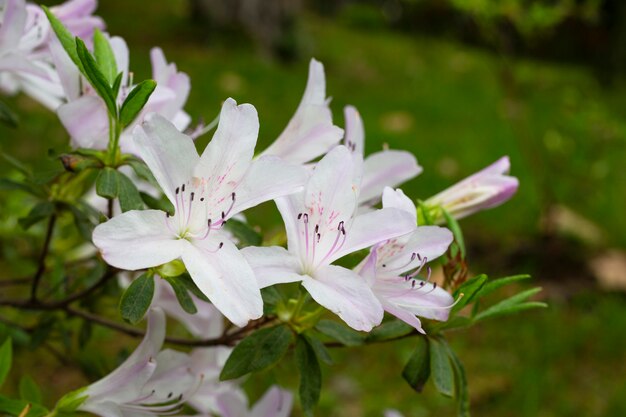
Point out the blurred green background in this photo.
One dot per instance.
(459, 84)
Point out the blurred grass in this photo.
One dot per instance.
(458, 109)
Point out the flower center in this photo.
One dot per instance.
(317, 247)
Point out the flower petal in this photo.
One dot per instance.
(273, 265)
(225, 277)
(170, 155)
(404, 315)
(424, 300)
(137, 239)
(275, 402)
(373, 227)
(86, 120)
(386, 169)
(355, 133)
(232, 404)
(346, 294)
(397, 199)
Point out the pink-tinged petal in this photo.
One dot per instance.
(404, 315)
(225, 277)
(310, 132)
(346, 294)
(170, 155)
(166, 74)
(13, 22)
(228, 155)
(273, 265)
(397, 199)
(48, 93)
(275, 402)
(392, 413)
(231, 404)
(120, 51)
(422, 298)
(332, 191)
(125, 382)
(137, 239)
(355, 133)
(12, 62)
(66, 69)
(289, 207)
(429, 242)
(268, 178)
(172, 378)
(386, 169)
(73, 9)
(86, 120)
(376, 226)
(103, 408)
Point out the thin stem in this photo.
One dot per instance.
(42, 258)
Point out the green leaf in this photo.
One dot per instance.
(512, 304)
(135, 101)
(117, 83)
(97, 80)
(107, 185)
(6, 358)
(244, 233)
(441, 367)
(495, 284)
(162, 203)
(7, 116)
(105, 58)
(128, 194)
(29, 390)
(65, 37)
(320, 349)
(8, 184)
(469, 289)
(38, 213)
(187, 281)
(82, 221)
(310, 375)
(389, 330)
(454, 227)
(257, 352)
(417, 370)
(137, 298)
(182, 295)
(461, 393)
(15, 407)
(343, 334)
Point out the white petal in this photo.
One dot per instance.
(13, 21)
(289, 207)
(355, 133)
(228, 155)
(397, 199)
(404, 315)
(346, 294)
(232, 404)
(225, 278)
(170, 155)
(376, 226)
(273, 265)
(268, 178)
(86, 120)
(425, 300)
(386, 169)
(275, 402)
(137, 239)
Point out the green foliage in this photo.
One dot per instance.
(392, 329)
(257, 352)
(128, 194)
(16, 407)
(454, 227)
(107, 183)
(95, 77)
(105, 58)
(137, 298)
(6, 358)
(417, 370)
(29, 390)
(511, 305)
(41, 211)
(182, 295)
(244, 233)
(340, 332)
(469, 289)
(440, 367)
(7, 116)
(310, 375)
(65, 37)
(135, 101)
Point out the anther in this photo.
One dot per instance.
(201, 198)
(177, 190)
(183, 188)
(306, 218)
(192, 194)
(299, 216)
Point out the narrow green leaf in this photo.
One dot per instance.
(454, 227)
(38, 213)
(107, 183)
(502, 310)
(162, 203)
(321, 351)
(15, 407)
(340, 333)
(135, 101)
(105, 58)
(495, 284)
(128, 194)
(29, 390)
(257, 352)
(389, 330)
(244, 233)
(117, 83)
(461, 393)
(6, 358)
(441, 367)
(469, 289)
(65, 37)
(310, 375)
(7, 116)
(137, 298)
(97, 80)
(417, 370)
(182, 295)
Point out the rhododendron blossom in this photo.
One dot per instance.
(206, 191)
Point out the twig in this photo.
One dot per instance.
(42, 258)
